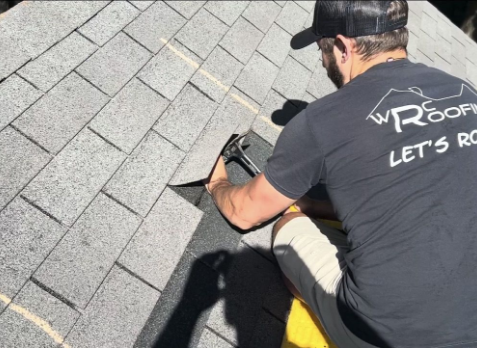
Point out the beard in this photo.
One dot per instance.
(334, 73)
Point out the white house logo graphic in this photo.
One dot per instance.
(421, 110)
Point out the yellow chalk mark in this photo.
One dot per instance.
(43, 325)
(220, 84)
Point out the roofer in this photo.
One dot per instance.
(396, 148)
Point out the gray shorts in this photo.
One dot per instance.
(311, 255)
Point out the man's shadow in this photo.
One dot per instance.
(248, 296)
(289, 110)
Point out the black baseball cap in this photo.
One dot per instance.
(348, 18)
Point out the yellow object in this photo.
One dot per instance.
(293, 209)
(304, 330)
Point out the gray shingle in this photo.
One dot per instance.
(142, 4)
(202, 33)
(18, 331)
(257, 78)
(444, 50)
(278, 298)
(243, 107)
(73, 178)
(186, 117)
(427, 45)
(261, 240)
(268, 332)
(458, 50)
(186, 8)
(27, 237)
(471, 48)
(281, 3)
(414, 22)
(429, 25)
(56, 118)
(413, 44)
(53, 65)
(169, 71)
(211, 340)
(50, 21)
(116, 314)
(292, 80)
(415, 7)
(203, 155)
(155, 250)
(441, 64)
(276, 45)
(471, 73)
(128, 117)
(444, 30)
(226, 11)
(308, 56)
(107, 23)
(142, 178)
(262, 14)
(224, 68)
(21, 161)
(16, 95)
(112, 66)
(292, 18)
(158, 23)
(80, 262)
(424, 59)
(320, 85)
(11, 56)
(242, 40)
(308, 5)
(263, 124)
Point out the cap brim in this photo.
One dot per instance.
(303, 39)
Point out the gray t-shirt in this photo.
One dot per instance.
(397, 150)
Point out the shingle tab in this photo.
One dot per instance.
(275, 45)
(158, 23)
(112, 66)
(226, 11)
(155, 250)
(17, 330)
(186, 8)
(56, 118)
(292, 80)
(307, 5)
(107, 23)
(21, 161)
(73, 178)
(320, 85)
(203, 155)
(224, 69)
(142, 4)
(80, 262)
(142, 178)
(211, 340)
(186, 117)
(116, 314)
(53, 65)
(50, 21)
(429, 25)
(292, 18)
(308, 56)
(262, 125)
(242, 40)
(458, 50)
(169, 71)
(262, 14)
(257, 78)
(16, 95)
(27, 237)
(127, 118)
(202, 33)
(427, 45)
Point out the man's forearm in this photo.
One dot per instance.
(227, 198)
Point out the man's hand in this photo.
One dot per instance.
(218, 174)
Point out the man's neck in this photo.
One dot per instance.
(362, 66)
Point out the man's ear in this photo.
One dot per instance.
(345, 45)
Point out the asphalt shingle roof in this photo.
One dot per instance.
(103, 105)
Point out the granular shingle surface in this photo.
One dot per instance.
(111, 115)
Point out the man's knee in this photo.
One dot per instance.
(283, 221)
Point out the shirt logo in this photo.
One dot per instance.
(422, 110)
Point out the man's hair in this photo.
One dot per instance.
(371, 45)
